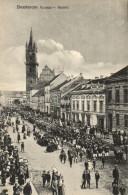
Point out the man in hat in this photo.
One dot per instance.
(44, 178)
(27, 189)
(115, 174)
(70, 160)
(115, 189)
(97, 177)
(60, 185)
(48, 178)
(3, 176)
(88, 178)
(22, 147)
(18, 137)
(84, 178)
(122, 190)
(86, 165)
(55, 186)
(103, 161)
(16, 189)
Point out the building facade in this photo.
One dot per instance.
(61, 98)
(9, 97)
(57, 80)
(88, 104)
(47, 74)
(66, 90)
(38, 101)
(117, 101)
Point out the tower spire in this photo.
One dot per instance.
(31, 38)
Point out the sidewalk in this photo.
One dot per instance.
(10, 188)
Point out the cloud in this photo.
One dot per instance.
(50, 45)
(12, 63)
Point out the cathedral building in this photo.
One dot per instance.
(31, 63)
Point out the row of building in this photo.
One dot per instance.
(11, 97)
(102, 101)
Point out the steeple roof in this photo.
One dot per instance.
(31, 38)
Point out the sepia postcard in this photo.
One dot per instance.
(63, 97)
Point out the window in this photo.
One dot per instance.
(83, 105)
(117, 96)
(101, 106)
(126, 120)
(77, 117)
(77, 105)
(73, 105)
(88, 105)
(109, 96)
(73, 117)
(125, 95)
(117, 120)
(94, 105)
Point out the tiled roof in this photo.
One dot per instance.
(72, 85)
(59, 86)
(52, 80)
(122, 72)
(39, 93)
(118, 76)
(39, 85)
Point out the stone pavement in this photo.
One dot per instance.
(39, 159)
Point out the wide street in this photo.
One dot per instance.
(40, 160)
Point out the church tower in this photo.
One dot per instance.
(31, 63)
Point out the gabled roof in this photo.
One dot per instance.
(72, 85)
(122, 72)
(119, 75)
(39, 93)
(59, 86)
(48, 83)
(47, 68)
(39, 85)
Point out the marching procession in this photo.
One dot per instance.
(75, 146)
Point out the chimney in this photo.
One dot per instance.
(111, 74)
(101, 76)
(96, 77)
(81, 75)
(68, 78)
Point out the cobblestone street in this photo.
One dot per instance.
(40, 160)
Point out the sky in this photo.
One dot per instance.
(90, 36)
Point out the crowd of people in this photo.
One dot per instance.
(13, 168)
(83, 144)
(53, 181)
